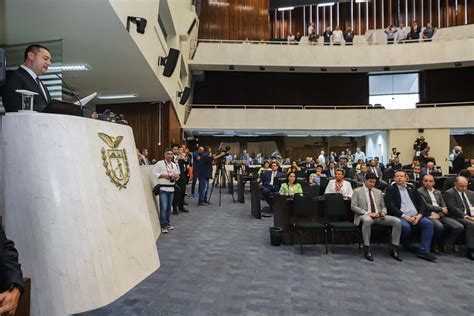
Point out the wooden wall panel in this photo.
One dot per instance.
(145, 120)
(235, 20)
(394, 12)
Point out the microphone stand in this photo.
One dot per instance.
(70, 89)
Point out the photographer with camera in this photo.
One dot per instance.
(167, 172)
(205, 172)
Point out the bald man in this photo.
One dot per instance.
(460, 201)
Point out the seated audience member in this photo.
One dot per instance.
(390, 31)
(313, 37)
(11, 277)
(308, 163)
(337, 36)
(349, 36)
(298, 36)
(436, 211)
(343, 164)
(378, 163)
(471, 163)
(327, 36)
(339, 185)
(294, 167)
(428, 32)
(291, 187)
(449, 182)
(404, 201)
(331, 170)
(359, 165)
(395, 164)
(411, 166)
(361, 176)
(431, 169)
(416, 176)
(259, 159)
(368, 205)
(375, 169)
(402, 33)
(315, 178)
(460, 203)
(291, 37)
(244, 168)
(459, 162)
(265, 167)
(415, 31)
(395, 154)
(270, 182)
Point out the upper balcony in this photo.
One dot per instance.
(370, 53)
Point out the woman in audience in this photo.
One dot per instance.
(315, 178)
(265, 167)
(294, 167)
(339, 185)
(291, 187)
(337, 36)
(360, 162)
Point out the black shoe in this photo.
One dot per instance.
(427, 256)
(394, 253)
(207, 203)
(185, 203)
(200, 203)
(184, 210)
(175, 212)
(368, 254)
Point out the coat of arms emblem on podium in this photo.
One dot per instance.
(115, 161)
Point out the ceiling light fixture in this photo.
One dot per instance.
(286, 8)
(69, 67)
(117, 96)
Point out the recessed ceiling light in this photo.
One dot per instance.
(117, 96)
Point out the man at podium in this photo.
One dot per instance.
(37, 59)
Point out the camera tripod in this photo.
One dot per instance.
(221, 173)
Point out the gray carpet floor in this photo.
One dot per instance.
(219, 261)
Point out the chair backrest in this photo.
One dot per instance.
(300, 174)
(303, 205)
(323, 183)
(335, 207)
(311, 191)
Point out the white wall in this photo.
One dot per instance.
(376, 146)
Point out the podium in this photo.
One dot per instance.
(74, 203)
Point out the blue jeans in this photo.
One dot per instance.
(166, 201)
(426, 226)
(203, 185)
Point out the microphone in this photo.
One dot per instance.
(70, 89)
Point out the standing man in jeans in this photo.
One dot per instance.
(196, 166)
(167, 172)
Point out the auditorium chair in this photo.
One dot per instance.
(336, 221)
(311, 191)
(303, 210)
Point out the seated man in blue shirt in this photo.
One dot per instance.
(404, 201)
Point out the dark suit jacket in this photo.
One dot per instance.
(267, 177)
(328, 172)
(393, 200)
(205, 166)
(20, 79)
(455, 204)
(435, 172)
(429, 207)
(459, 163)
(10, 269)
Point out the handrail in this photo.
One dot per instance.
(320, 107)
(321, 43)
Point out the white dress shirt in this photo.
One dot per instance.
(163, 167)
(433, 197)
(337, 36)
(273, 177)
(321, 159)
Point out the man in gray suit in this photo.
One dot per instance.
(368, 205)
(460, 202)
(436, 211)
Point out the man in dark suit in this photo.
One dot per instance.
(404, 201)
(449, 182)
(360, 177)
(460, 203)
(308, 163)
(11, 278)
(459, 161)
(436, 211)
(37, 59)
(270, 182)
(331, 170)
